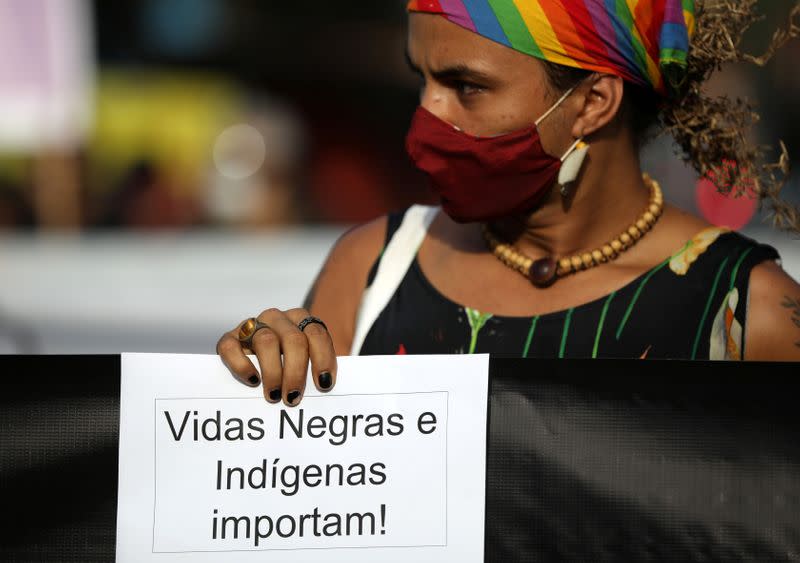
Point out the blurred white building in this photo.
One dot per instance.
(171, 293)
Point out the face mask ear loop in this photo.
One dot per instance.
(555, 105)
(571, 148)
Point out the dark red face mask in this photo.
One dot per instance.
(482, 178)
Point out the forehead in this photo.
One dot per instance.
(435, 41)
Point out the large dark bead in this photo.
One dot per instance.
(543, 272)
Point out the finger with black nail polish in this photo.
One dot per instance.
(293, 398)
(325, 380)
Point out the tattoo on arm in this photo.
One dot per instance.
(794, 306)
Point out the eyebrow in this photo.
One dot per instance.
(458, 71)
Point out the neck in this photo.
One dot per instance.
(608, 197)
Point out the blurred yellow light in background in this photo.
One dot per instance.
(167, 118)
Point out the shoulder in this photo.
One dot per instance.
(353, 258)
(336, 293)
(676, 227)
(674, 230)
(773, 317)
(358, 246)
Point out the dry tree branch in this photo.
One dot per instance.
(712, 131)
(780, 38)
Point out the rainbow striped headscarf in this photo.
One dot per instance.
(643, 41)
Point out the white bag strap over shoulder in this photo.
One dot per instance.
(394, 264)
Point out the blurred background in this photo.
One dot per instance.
(170, 167)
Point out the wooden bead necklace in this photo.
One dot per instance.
(545, 271)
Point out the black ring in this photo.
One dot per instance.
(309, 320)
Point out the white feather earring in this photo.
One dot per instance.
(571, 164)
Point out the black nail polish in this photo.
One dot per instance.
(275, 394)
(293, 397)
(253, 379)
(325, 380)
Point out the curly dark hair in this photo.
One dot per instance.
(711, 132)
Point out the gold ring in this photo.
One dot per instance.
(249, 329)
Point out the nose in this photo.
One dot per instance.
(435, 101)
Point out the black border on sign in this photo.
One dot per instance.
(446, 482)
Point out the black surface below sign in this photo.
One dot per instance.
(587, 460)
(643, 461)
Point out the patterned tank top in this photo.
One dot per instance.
(691, 306)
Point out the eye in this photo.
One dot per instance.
(467, 88)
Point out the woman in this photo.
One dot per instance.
(531, 118)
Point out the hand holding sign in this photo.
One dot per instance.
(278, 336)
(209, 468)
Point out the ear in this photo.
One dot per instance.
(602, 102)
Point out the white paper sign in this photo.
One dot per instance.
(389, 466)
